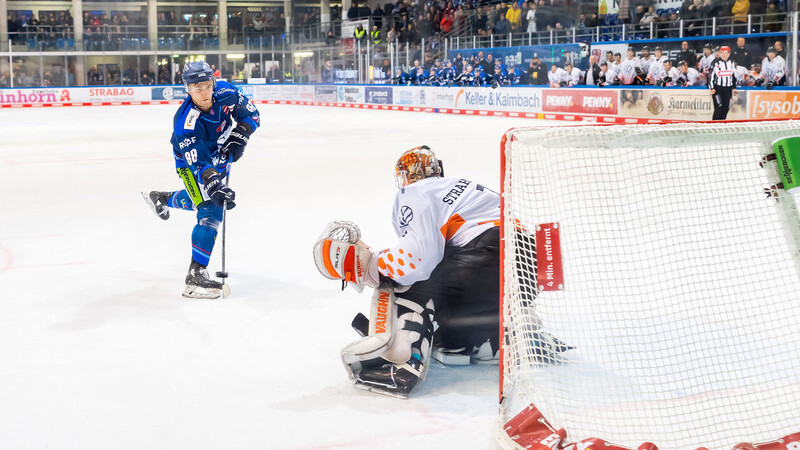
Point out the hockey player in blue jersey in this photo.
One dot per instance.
(400, 78)
(512, 74)
(435, 74)
(466, 77)
(499, 78)
(419, 76)
(449, 74)
(481, 77)
(210, 131)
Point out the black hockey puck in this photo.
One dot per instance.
(222, 274)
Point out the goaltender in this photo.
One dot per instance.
(438, 284)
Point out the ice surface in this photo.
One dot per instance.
(99, 351)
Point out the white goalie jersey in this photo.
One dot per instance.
(430, 214)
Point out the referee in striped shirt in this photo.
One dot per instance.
(722, 83)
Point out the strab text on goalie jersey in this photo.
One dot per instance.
(430, 214)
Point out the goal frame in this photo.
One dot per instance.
(529, 429)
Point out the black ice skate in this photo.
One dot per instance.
(548, 349)
(485, 354)
(158, 202)
(394, 380)
(199, 285)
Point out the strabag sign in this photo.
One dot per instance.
(583, 101)
(39, 96)
(774, 105)
(119, 94)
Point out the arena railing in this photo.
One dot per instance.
(713, 26)
(301, 61)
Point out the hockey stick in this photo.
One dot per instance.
(223, 274)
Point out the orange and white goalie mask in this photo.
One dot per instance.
(416, 164)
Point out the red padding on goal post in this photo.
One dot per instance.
(501, 300)
(790, 442)
(529, 429)
(595, 443)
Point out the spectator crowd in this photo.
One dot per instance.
(109, 32)
(611, 69)
(411, 21)
(52, 27)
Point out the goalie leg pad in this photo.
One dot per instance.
(393, 357)
(380, 331)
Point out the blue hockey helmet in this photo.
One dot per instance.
(196, 72)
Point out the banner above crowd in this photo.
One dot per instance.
(522, 56)
(612, 6)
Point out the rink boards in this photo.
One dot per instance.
(606, 105)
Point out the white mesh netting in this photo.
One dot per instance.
(681, 292)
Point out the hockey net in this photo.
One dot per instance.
(667, 256)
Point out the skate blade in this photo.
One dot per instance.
(474, 360)
(164, 214)
(380, 390)
(206, 293)
(450, 358)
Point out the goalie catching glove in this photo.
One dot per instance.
(340, 254)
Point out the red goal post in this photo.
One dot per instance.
(677, 250)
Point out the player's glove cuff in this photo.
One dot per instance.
(216, 188)
(237, 141)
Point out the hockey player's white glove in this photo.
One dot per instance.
(340, 254)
